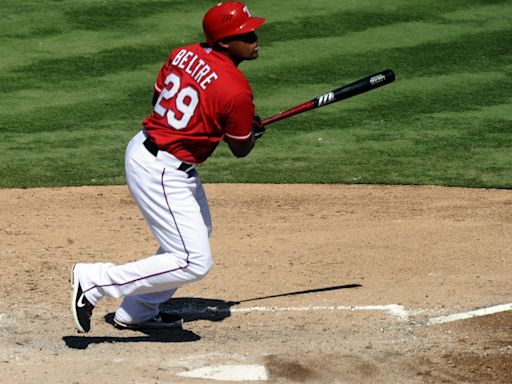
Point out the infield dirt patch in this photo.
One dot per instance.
(305, 281)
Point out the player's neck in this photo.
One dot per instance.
(235, 60)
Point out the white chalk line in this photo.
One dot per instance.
(396, 310)
(470, 314)
(259, 373)
(393, 309)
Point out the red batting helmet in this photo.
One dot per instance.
(228, 19)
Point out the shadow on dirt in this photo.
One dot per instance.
(191, 309)
(296, 293)
(160, 336)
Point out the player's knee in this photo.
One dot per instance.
(201, 265)
(206, 266)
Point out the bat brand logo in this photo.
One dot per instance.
(325, 99)
(377, 79)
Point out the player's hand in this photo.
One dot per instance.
(258, 129)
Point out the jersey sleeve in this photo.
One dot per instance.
(159, 83)
(239, 116)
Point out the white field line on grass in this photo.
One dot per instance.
(470, 314)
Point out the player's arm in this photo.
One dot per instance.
(240, 147)
(156, 95)
(160, 80)
(242, 127)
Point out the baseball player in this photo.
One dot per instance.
(200, 98)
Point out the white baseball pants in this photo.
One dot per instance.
(175, 207)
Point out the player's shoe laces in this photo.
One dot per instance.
(162, 321)
(80, 306)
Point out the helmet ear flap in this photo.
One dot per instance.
(228, 19)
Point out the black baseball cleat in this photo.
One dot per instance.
(161, 321)
(80, 306)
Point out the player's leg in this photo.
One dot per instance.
(140, 308)
(203, 205)
(167, 198)
(143, 311)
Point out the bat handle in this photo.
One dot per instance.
(290, 112)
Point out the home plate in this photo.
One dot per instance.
(229, 373)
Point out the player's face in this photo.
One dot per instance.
(243, 47)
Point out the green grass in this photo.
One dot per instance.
(76, 80)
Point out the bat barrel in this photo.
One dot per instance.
(357, 87)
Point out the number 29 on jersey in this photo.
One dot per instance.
(187, 100)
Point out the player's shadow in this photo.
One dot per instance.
(174, 335)
(190, 309)
(193, 308)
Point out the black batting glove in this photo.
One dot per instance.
(258, 129)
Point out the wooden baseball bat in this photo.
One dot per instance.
(357, 87)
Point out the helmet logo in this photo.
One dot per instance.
(229, 18)
(226, 19)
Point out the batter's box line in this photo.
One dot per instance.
(395, 310)
(470, 314)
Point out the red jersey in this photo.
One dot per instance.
(202, 97)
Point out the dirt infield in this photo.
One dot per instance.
(318, 284)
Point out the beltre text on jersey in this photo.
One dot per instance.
(195, 67)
